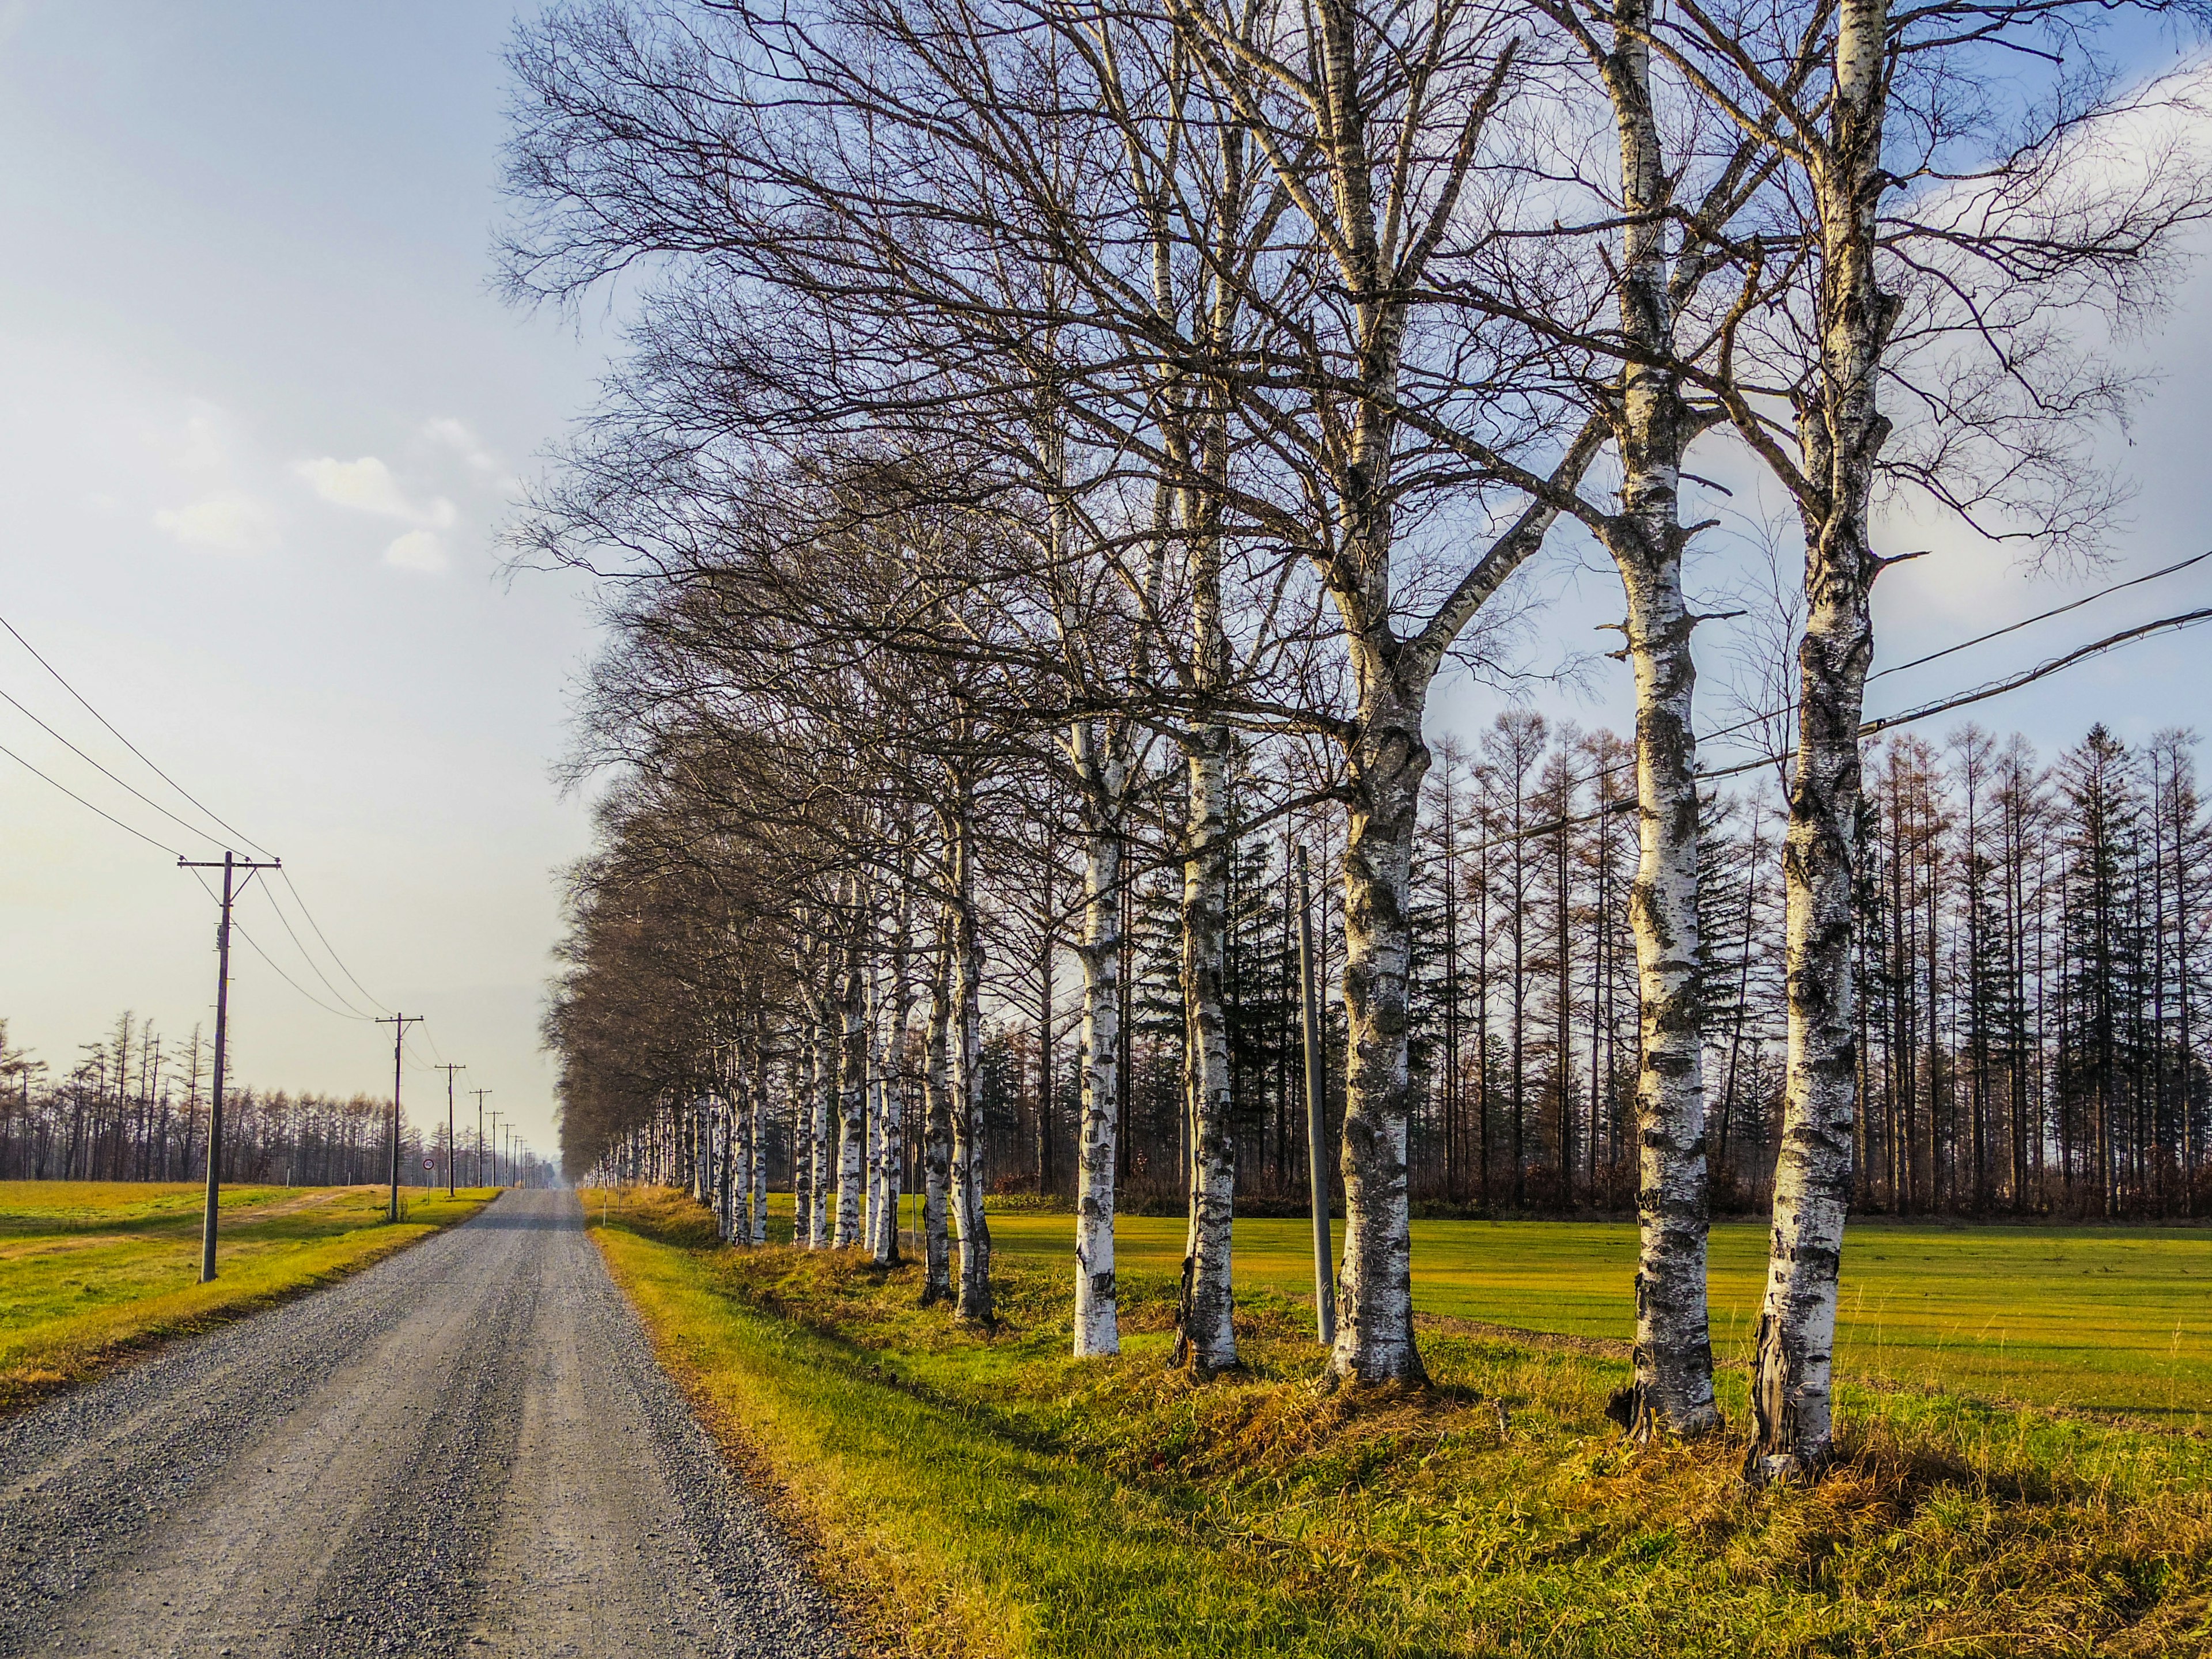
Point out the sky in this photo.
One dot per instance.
(260, 419)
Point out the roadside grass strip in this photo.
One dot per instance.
(93, 1272)
(985, 1493)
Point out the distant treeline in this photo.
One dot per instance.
(135, 1108)
(2033, 970)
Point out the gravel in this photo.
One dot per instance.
(468, 1449)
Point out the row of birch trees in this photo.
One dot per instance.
(1078, 427)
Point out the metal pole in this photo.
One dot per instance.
(1316, 1157)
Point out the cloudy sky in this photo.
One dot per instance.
(258, 420)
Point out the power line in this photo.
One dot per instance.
(2060, 610)
(269, 961)
(87, 804)
(1870, 728)
(243, 838)
(182, 823)
(286, 876)
(285, 922)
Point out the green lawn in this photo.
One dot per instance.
(2094, 1318)
(92, 1271)
(2116, 1319)
(985, 1493)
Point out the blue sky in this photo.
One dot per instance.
(259, 417)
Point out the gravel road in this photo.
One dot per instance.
(468, 1449)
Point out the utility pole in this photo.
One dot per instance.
(1316, 1160)
(479, 1094)
(495, 1149)
(231, 864)
(398, 1022)
(449, 1071)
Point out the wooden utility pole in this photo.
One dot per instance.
(495, 1149)
(398, 1022)
(230, 866)
(449, 1070)
(479, 1094)
(1317, 1135)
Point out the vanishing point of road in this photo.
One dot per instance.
(467, 1449)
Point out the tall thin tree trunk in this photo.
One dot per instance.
(1205, 1337)
(937, 1122)
(1841, 433)
(852, 1073)
(976, 1302)
(1375, 1292)
(1098, 1327)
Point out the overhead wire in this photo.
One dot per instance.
(239, 928)
(315, 967)
(182, 823)
(2045, 616)
(286, 876)
(213, 818)
(1868, 728)
(87, 805)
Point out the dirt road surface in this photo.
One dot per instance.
(467, 1449)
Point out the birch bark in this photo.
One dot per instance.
(937, 1122)
(757, 1131)
(822, 1177)
(1103, 769)
(802, 1138)
(1205, 1336)
(851, 1071)
(975, 1291)
(1674, 1363)
(892, 1120)
(1841, 431)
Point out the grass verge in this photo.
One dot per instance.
(989, 1495)
(95, 1272)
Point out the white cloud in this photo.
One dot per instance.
(230, 522)
(418, 550)
(366, 485)
(455, 436)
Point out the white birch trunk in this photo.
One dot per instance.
(1206, 1337)
(822, 1176)
(852, 1082)
(892, 1074)
(802, 1209)
(1097, 1321)
(1840, 434)
(1374, 1288)
(937, 1122)
(1674, 1368)
(756, 1132)
(975, 1304)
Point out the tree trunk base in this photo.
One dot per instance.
(1765, 1469)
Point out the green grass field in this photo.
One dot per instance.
(91, 1272)
(985, 1493)
(2103, 1319)
(2096, 1319)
